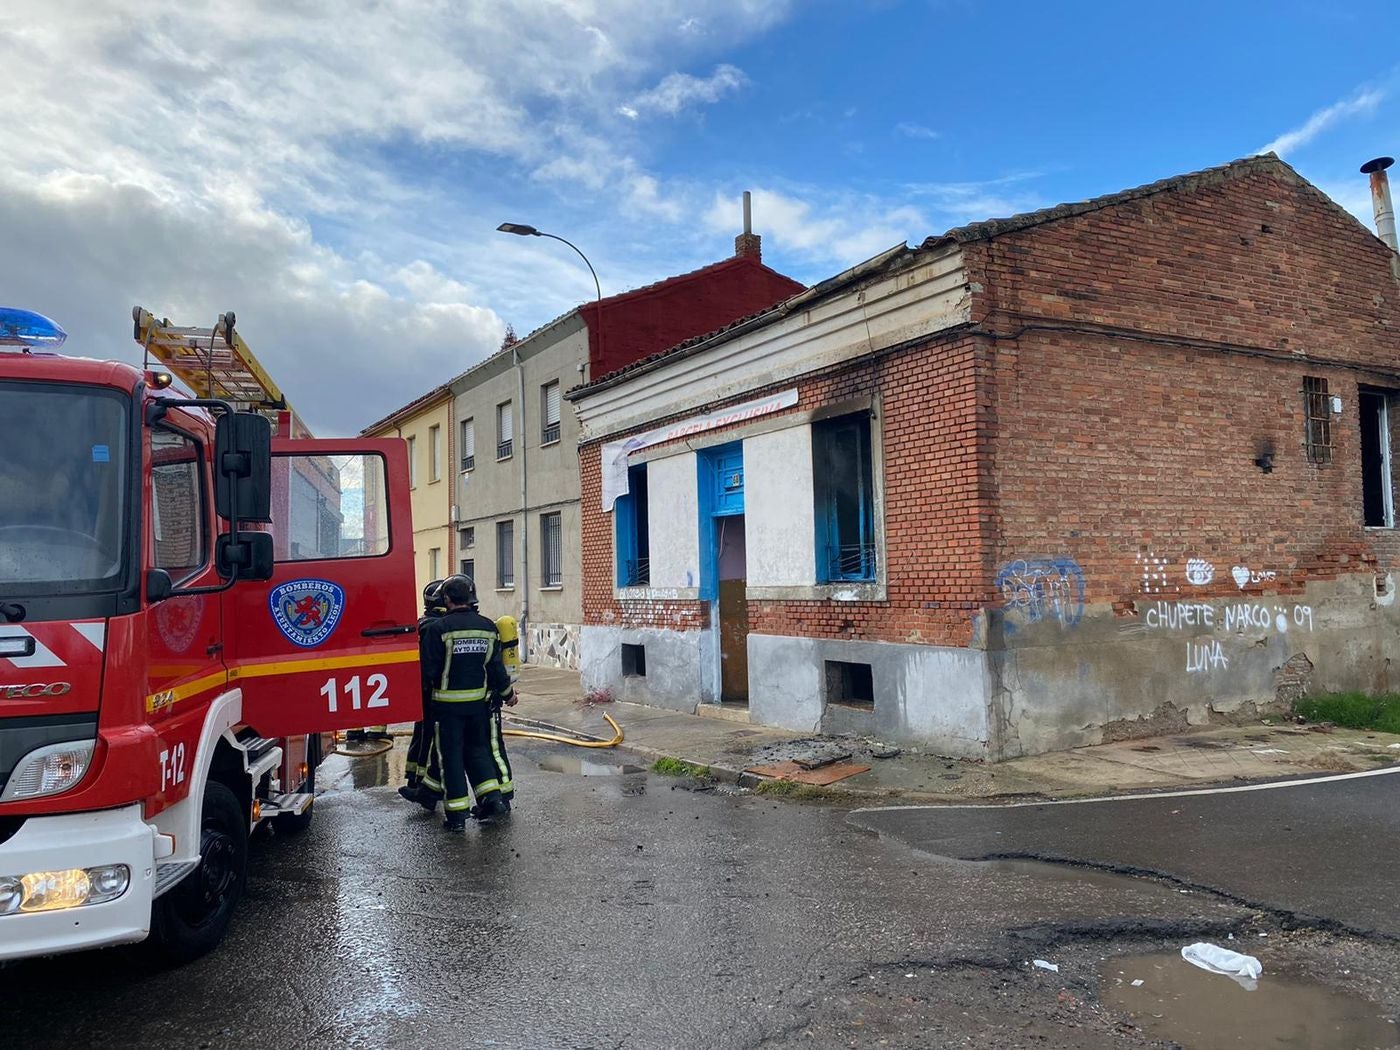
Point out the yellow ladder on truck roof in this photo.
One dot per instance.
(211, 362)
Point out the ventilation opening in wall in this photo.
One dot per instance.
(634, 661)
(849, 684)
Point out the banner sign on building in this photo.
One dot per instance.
(615, 453)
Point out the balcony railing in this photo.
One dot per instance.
(854, 561)
(468, 462)
(549, 434)
(503, 449)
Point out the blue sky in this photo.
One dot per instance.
(337, 178)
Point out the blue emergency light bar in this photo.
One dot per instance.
(28, 329)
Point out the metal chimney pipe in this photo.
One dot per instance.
(1380, 199)
(748, 214)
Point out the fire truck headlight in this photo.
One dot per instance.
(108, 882)
(56, 890)
(49, 770)
(11, 894)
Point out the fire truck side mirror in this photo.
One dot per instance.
(243, 467)
(250, 554)
(158, 585)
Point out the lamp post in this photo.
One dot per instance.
(520, 229)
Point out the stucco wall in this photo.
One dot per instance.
(673, 516)
(778, 521)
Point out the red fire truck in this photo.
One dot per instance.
(187, 602)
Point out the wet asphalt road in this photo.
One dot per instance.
(1326, 851)
(613, 911)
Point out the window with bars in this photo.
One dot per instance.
(505, 554)
(1318, 404)
(549, 413)
(505, 431)
(632, 531)
(844, 492)
(466, 538)
(552, 549)
(467, 567)
(435, 455)
(468, 444)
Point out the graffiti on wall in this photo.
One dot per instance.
(1036, 589)
(1199, 572)
(1243, 576)
(1153, 570)
(1232, 618)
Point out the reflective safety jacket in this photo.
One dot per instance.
(461, 654)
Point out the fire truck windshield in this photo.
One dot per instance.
(64, 488)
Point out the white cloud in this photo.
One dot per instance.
(1365, 101)
(957, 203)
(283, 161)
(915, 131)
(681, 90)
(830, 229)
(346, 348)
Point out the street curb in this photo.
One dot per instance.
(740, 778)
(743, 779)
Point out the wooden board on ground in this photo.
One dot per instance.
(828, 774)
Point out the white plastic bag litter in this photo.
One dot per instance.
(1216, 959)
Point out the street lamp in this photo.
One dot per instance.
(521, 230)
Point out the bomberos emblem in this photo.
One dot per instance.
(307, 611)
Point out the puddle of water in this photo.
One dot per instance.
(1205, 1011)
(584, 767)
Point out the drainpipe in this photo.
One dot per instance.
(1381, 206)
(524, 504)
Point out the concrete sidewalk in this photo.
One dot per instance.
(553, 698)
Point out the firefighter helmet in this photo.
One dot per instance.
(459, 590)
(432, 597)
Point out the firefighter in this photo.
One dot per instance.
(509, 630)
(420, 747)
(462, 659)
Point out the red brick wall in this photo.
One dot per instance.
(654, 319)
(934, 510)
(1106, 447)
(1099, 444)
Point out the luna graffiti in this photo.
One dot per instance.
(1036, 589)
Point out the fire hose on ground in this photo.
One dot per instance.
(531, 734)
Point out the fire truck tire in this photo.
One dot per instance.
(191, 918)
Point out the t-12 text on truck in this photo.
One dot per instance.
(188, 602)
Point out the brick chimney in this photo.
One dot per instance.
(748, 244)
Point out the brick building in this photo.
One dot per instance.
(514, 489)
(1091, 472)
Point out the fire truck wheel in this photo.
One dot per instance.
(191, 919)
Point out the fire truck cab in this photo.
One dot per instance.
(187, 602)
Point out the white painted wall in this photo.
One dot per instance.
(778, 511)
(673, 514)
